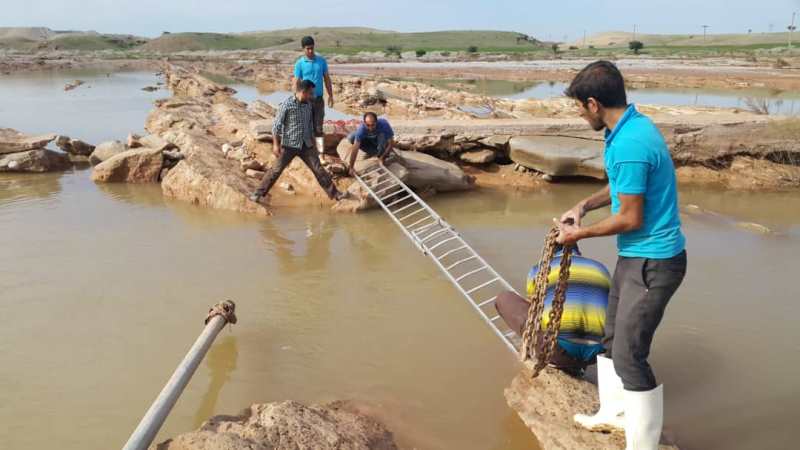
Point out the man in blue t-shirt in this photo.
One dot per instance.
(643, 195)
(313, 67)
(374, 138)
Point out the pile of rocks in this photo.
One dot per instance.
(23, 153)
(142, 159)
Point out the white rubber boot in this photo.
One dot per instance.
(644, 416)
(609, 388)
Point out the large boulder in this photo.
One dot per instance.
(207, 178)
(481, 156)
(546, 405)
(426, 172)
(12, 141)
(140, 165)
(287, 426)
(74, 146)
(39, 160)
(155, 142)
(106, 150)
(420, 171)
(559, 156)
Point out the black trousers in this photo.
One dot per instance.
(640, 291)
(310, 157)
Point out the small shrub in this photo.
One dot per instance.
(393, 50)
(636, 46)
(572, 47)
(472, 49)
(780, 63)
(445, 54)
(420, 53)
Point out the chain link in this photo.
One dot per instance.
(546, 339)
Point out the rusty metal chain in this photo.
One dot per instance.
(546, 339)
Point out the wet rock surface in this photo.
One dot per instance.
(39, 160)
(559, 156)
(13, 141)
(287, 426)
(140, 165)
(546, 405)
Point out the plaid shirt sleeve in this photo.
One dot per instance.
(277, 124)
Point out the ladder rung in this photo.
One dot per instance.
(510, 334)
(390, 195)
(461, 261)
(404, 207)
(384, 189)
(445, 254)
(419, 221)
(435, 233)
(482, 285)
(409, 215)
(486, 302)
(371, 170)
(398, 201)
(418, 230)
(374, 177)
(471, 272)
(442, 242)
(380, 183)
(494, 318)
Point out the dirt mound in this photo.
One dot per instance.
(287, 425)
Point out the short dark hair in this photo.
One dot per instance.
(602, 81)
(307, 41)
(368, 114)
(305, 85)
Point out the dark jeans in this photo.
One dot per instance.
(640, 291)
(310, 157)
(371, 146)
(318, 114)
(514, 311)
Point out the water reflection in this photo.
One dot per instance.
(299, 250)
(221, 362)
(20, 188)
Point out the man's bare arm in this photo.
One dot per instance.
(629, 218)
(597, 200)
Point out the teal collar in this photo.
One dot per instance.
(629, 112)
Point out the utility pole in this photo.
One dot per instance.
(791, 29)
(634, 32)
(584, 38)
(705, 27)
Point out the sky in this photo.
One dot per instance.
(565, 20)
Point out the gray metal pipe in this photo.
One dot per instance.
(220, 315)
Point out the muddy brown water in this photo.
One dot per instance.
(104, 287)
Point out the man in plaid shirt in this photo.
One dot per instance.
(293, 135)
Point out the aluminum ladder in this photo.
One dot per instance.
(477, 281)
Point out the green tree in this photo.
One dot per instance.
(472, 49)
(635, 46)
(393, 50)
(421, 53)
(554, 47)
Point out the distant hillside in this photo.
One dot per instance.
(40, 38)
(621, 39)
(342, 40)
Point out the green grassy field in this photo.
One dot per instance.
(352, 40)
(343, 40)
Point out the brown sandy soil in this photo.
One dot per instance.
(33, 63)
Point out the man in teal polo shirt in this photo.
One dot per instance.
(642, 192)
(313, 67)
